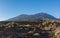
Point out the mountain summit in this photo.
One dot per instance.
(32, 18)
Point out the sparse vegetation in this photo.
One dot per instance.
(46, 29)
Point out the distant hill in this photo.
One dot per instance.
(33, 18)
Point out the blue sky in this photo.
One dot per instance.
(12, 8)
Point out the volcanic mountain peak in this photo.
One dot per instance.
(36, 17)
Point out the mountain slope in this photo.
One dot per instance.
(32, 18)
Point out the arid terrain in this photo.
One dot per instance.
(46, 29)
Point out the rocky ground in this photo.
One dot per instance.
(47, 29)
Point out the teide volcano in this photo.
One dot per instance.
(33, 18)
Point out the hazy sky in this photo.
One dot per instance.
(12, 8)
